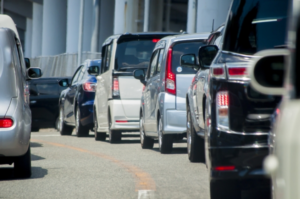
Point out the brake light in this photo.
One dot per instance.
(6, 123)
(121, 121)
(170, 81)
(224, 168)
(89, 87)
(115, 87)
(237, 71)
(222, 110)
(143, 87)
(218, 71)
(155, 40)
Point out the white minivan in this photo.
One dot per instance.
(118, 93)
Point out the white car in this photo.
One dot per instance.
(118, 93)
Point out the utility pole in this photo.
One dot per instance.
(80, 32)
(2, 2)
(146, 16)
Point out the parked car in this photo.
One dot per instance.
(76, 102)
(195, 130)
(15, 114)
(44, 96)
(235, 116)
(163, 107)
(118, 94)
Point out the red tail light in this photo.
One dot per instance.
(224, 168)
(143, 87)
(223, 99)
(170, 76)
(6, 123)
(218, 71)
(115, 87)
(121, 121)
(89, 87)
(237, 71)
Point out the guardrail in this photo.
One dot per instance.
(61, 65)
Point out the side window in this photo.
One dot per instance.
(106, 58)
(22, 60)
(81, 73)
(17, 59)
(161, 54)
(153, 64)
(75, 77)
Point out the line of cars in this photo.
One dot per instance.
(171, 86)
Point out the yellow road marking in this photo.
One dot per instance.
(143, 180)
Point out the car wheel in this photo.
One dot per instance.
(63, 128)
(165, 142)
(80, 129)
(114, 135)
(224, 189)
(195, 144)
(22, 165)
(98, 135)
(146, 142)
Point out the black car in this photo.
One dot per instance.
(236, 117)
(44, 95)
(76, 102)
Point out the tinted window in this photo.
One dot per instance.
(133, 54)
(161, 54)
(75, 77)
(256, 25)
(153, 64)
(181, 49)
(47, 89)
(106, 61)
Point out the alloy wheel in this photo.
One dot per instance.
(160, 133)
(189, 135)
(142, 134)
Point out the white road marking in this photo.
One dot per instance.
(146, 194)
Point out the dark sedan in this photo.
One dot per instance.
(44, 95)
(76, 102)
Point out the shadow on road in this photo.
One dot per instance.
(35, 144)
(176, 150)
(8, 173)
(36, 157)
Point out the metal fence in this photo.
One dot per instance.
(61, 65)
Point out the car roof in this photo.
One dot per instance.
(136, 34)
(7, 22)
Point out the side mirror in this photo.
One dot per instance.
(34, 73)
(206, 55)
(266, 71)
(64, 83)
(27, 62)
(188, 60)
(139, 74)
(94, 70)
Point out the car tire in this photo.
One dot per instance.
(98, 135)
(22, 165)
(114, 135)
(195, 144)
(63, 128)
(146, 142)
(224, 189)
(165, 142)
(81, 131)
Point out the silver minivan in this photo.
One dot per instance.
(163, 103)
(15, 114)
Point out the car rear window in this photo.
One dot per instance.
(134, 53)
(180, 49)
(255, 25)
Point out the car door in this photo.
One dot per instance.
(69, 101)
(155, 90)
(148, 98)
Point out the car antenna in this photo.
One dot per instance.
(213, 24)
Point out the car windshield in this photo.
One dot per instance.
(181, 49)
(133, 54)
(255, 25)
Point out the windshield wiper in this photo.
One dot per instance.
(125, 68)
(281, 46)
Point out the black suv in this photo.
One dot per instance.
(237, 118)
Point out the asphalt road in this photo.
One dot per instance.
(71, 167)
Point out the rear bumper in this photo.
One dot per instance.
(175, 122)
(121, 120)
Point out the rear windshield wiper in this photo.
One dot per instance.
(281, 46)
